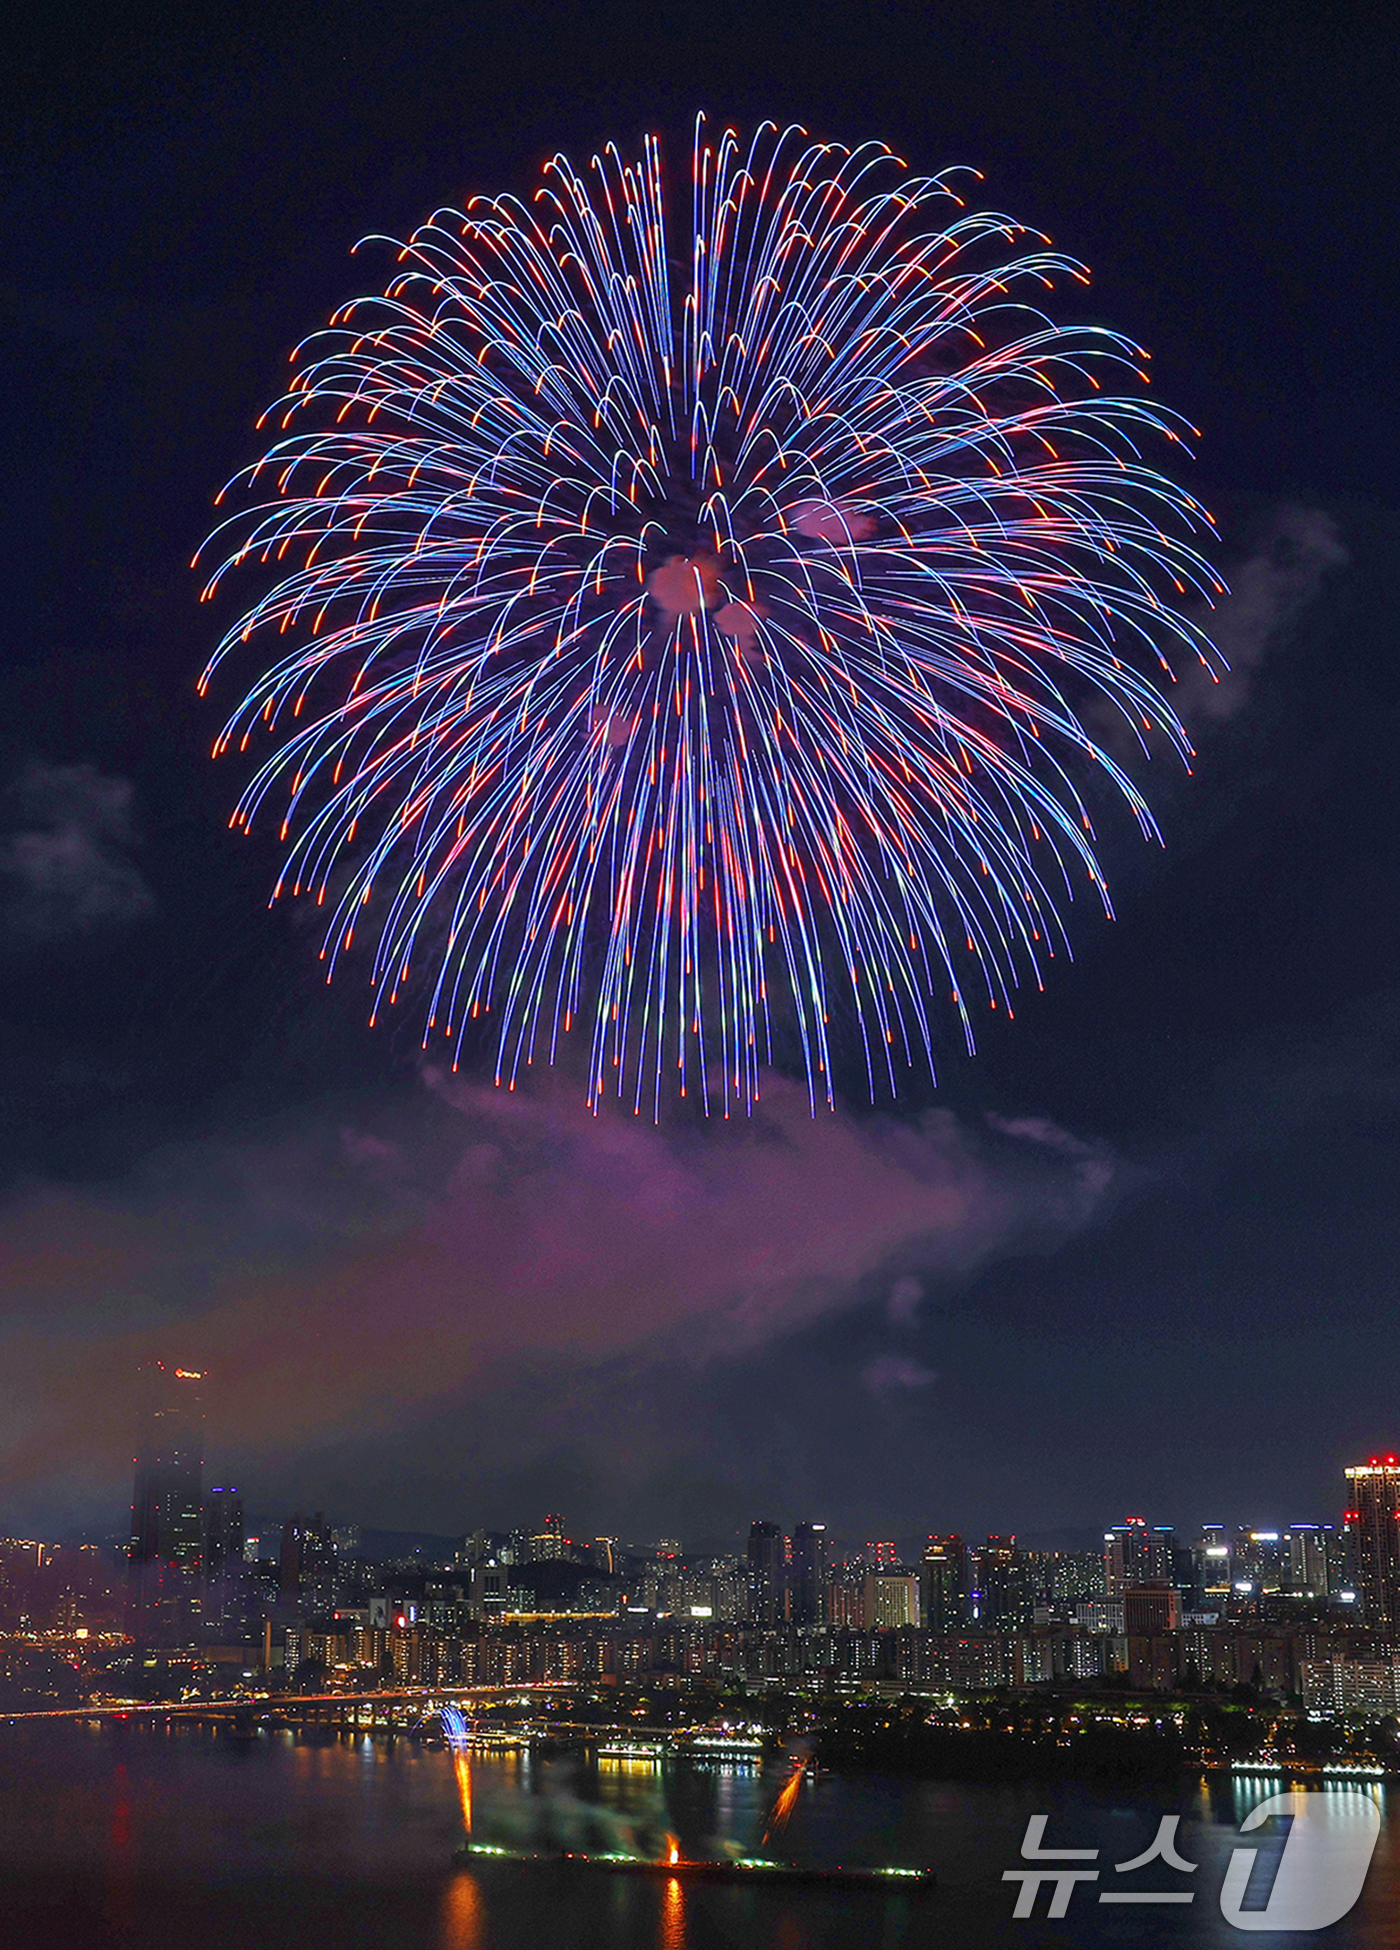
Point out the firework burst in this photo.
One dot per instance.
(691, 635)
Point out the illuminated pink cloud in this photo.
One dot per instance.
(350, 1282)
(741, 621)
(685, 584)
(837, 522)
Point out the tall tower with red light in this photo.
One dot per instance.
(1373, 1536)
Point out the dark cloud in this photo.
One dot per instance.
(65, 866)
(887, 1372)
(1277, 578)
(902, 1303)
(1269, 591)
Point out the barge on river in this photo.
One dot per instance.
(753, 1870)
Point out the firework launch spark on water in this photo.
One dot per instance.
(786, 1801)
(454, 1725)
(686, 631)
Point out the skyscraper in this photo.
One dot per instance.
(1211, 1564)
(1373, 1532)
(943, 1584)
(165, 1558)
(223, 1530)
(1149, 1608)
(307, 1565)
(809, 1574)
(1133, 1554)
(1000, 1599)
(891, 1600)
(1307, 1559)
(548, 1542)
(767, 1567)
(1260, 1559)
(224, 1570)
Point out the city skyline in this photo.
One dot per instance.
(1305, 1616)
(176, 1523)
(173, 1419)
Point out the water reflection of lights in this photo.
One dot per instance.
(671, 1930)
(119, 1895)
(463, 1916)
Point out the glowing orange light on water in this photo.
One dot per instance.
(672, 1934)
(463, 1915)
(462, 1767)
(673, 1848)
(787, 1800)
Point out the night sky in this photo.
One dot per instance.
(1137, 1256)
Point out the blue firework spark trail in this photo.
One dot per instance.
(681, 640)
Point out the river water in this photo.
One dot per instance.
(136, 1836)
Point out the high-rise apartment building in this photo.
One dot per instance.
(845, 1600)
(810, 1574)
(1373, 1532)
(1070, 1578)
(165, 1559)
